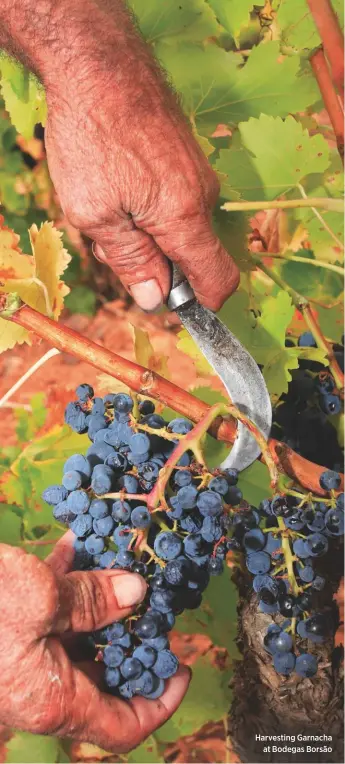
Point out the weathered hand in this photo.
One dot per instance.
(41, 690)
(128, 171)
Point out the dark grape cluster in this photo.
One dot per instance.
(177, 545)
(303, 416)
(175, 549)
(282, 542)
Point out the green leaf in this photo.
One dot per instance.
(215, 450)
(23, 95)
(254, 483)
(264, 336)
(237, 315)
(208, 699)
(331, 322)
(212, 619)
(269, 344)
(320, 239)
(233, 231)
(146, 753)
(81, 300)
(32, 749)
(216, 89)
(191, 20)
(29, 423)
(10, 526)
(272, 157)
(233, 15)
(317, 283)
(297, 25)
(38, 466)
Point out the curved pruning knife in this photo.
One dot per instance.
(236, 368)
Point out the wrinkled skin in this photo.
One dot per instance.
(130, 174)
(43, 608)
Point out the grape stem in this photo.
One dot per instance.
(288, 557)
(154, 431)
(122, 495)
(191, 442)
(149, 383)
(309, 497)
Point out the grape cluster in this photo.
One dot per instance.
(303, 416)
(175, 548)
(282, 541)
(105, 498)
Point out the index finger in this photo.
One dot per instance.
(191, 243)
(60, 560)
(117, 725)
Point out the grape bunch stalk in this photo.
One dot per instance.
(143, 499)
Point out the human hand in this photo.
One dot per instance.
(41, 689)
(127, 169)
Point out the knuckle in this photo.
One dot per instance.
(128, 258)
(89, 600)
(85, 214)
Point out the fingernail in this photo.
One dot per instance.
(129, 589)
(98, 252)
(147, 295)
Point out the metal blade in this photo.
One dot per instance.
(239, 373)
(236, 368)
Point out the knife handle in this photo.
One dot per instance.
(181, 292)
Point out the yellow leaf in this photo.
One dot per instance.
(145, 354)
(35, 279)
(11, 335)
(51, 260)
(189, 347)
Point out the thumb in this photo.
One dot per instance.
(89, 600)
(136, 259)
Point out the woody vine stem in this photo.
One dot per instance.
(147, 382)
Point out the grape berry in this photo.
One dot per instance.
(176, 548)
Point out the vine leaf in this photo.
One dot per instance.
(190, 20)
(233, 15)
(314, 283)
(147, 753)
(215, 89)
(186, 344)
(207, 700)
(10, 526)
(34, 278)
(297, 26)
(39, 748)
(23, 95)
(51, 260)
(145, 354)
(269, 344)
(270, 157)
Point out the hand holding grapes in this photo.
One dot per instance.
(42, 690)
